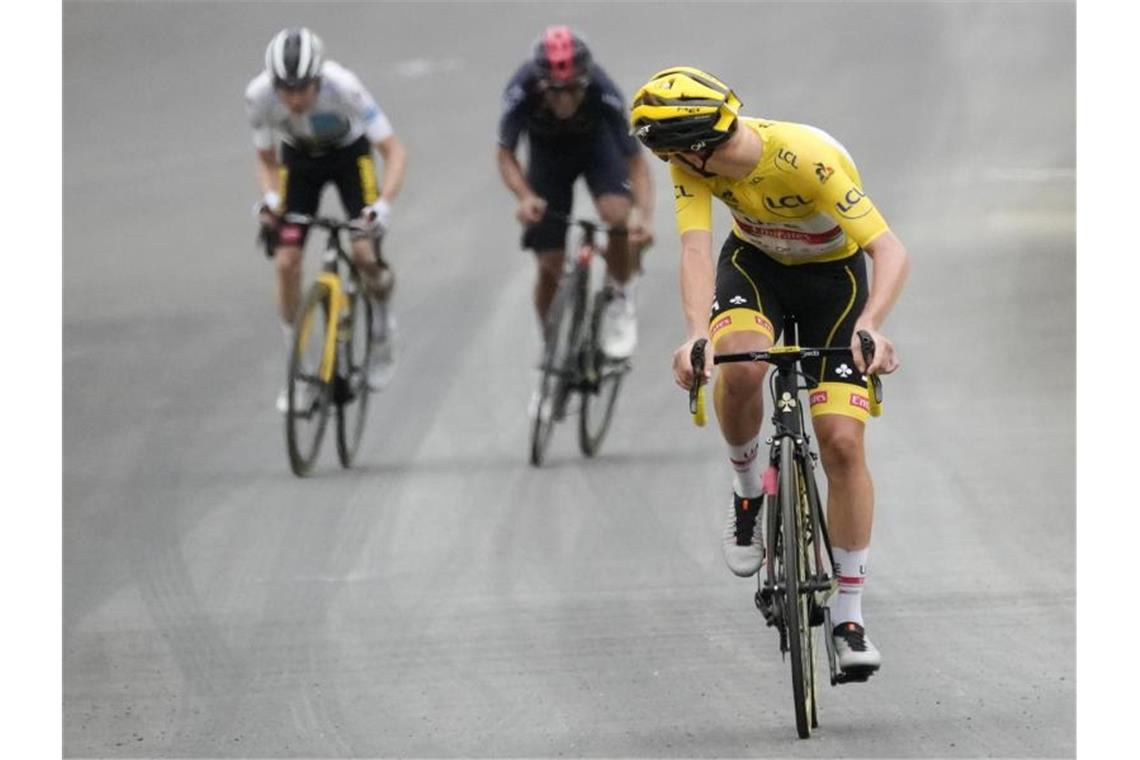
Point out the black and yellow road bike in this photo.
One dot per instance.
(797, 579)
(328, 365)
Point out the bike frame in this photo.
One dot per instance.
(330, 278)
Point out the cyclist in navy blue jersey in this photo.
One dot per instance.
(573, 116)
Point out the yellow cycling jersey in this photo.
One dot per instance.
(803, 202)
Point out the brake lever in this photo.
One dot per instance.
(867, 347)
(697, 389)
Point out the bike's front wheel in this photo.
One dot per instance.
(309, 394)
(551, 385)
(801, 641)
(603, 379)
(350, 388)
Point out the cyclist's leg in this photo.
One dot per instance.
(301, 191)
(834, 294)
(549, 264)
(355, 177)
(607, 176)
(829, 298)
(550, 172)
(746, 315)
(614, 208)
(354, 172)
(742, 317)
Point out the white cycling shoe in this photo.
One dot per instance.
(619, 327)
(743, 536)
(854, 650)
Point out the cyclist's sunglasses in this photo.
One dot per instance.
(665, 154)
(572, 87)
(295, 87)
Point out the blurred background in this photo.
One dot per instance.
(443, 598)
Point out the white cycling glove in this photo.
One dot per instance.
(378, 213)
(269, 202)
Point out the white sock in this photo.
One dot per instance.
(748, 482)
(851, 570)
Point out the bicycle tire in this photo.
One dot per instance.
(800, 644)
(599, 400)
(351, 389)
(311, 325)
(570, 363)
(814, 550)
(543, 424)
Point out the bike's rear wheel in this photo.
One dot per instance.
(605, 379)
(350, 387)
(309, 395)
(801, 645)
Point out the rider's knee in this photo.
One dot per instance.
(841, 449)
(287, 260)
(549, 267)
(742, 378)
(614, 210)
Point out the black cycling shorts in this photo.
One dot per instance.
(554, 166)
(303, 177)
(754, 293)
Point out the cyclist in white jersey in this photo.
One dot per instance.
(327, 124)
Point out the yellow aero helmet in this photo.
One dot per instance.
(683, 109)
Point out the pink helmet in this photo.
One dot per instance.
(561, 57)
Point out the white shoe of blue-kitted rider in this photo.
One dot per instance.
(283, 399)
(619, 327)
(743, 537)
(853, 649)
(382, 363)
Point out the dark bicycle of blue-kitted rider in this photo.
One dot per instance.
(573, 117)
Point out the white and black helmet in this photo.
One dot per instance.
(293, 58)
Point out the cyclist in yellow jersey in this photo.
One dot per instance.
(802, 229)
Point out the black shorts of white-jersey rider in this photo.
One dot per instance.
(351, 169)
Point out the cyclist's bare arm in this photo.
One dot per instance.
(891, 266)
(395, 165)
(267, 173)
(531, 207)
(698, 283)
(642, 185)
(512, 173)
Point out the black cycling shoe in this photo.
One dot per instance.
(743, 540)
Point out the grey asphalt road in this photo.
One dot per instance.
(444, 598)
